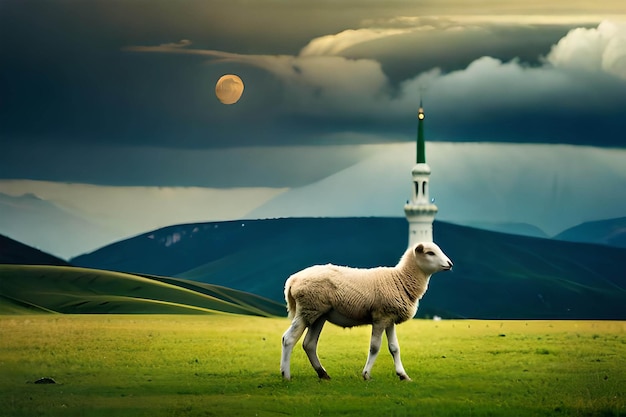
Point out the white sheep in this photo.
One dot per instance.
(350, 297)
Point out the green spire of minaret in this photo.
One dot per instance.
(421, 146)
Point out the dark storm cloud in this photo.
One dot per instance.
(67, 77)
(164, 167)
(64, 76)
(122, 92)
(490, 100)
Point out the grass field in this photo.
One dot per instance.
(227, 365)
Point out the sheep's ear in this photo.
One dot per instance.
(419, 248)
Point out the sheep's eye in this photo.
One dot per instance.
(430, 253)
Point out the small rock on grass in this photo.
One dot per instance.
(45, 380)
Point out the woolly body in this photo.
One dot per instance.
(347, 297)
(353, 296)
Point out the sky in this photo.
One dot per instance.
(108, 108)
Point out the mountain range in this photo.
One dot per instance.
(227, 264)
(535, 190)
(496, 275)
(607, 232)
(14, 252)
(45, 225)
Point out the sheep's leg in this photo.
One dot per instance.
(394, 349)
(290, 338)
(310, 347)
(377, 336)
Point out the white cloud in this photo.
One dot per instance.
(597, 49)
(491, 84)
(335, 44)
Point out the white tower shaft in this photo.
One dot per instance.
(420, 211)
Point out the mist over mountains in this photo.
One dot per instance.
(549, 187)
(47, 226)
(536, 190)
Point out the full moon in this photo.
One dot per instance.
(229, 89)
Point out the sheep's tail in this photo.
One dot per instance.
(291, 302)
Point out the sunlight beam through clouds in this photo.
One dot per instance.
(473, 182)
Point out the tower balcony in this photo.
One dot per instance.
(420, 169)
(417, 210)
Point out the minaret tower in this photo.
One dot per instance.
(420, 211)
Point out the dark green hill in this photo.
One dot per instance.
(506, 276)
(14, 252)
(496, 275)
(27, 288)
(176, 249)
(610, 232)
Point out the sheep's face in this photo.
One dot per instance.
(431, 258)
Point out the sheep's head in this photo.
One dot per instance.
(431, 258)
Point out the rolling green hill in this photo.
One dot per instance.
(59, 289)
(496, 275)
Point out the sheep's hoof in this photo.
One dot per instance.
(405, 377)
(323, 375)
(285, 377)
(366, 376)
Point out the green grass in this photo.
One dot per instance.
(228, 365)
